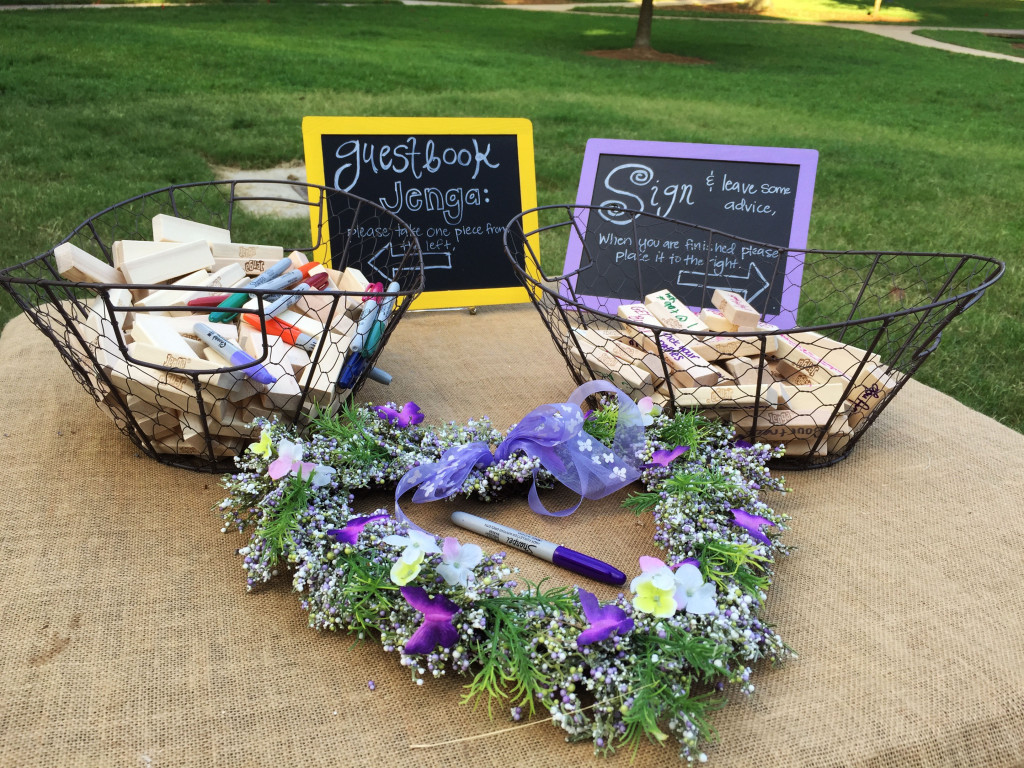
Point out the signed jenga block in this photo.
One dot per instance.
(721, 347)
(845, 357)
(671, 312)
(614, 343)
(176, 230)
(780, 425)
(170, 264)
(735, 308)
(686, 363)
(872, 387)
(80, 266)
(794, 358)
(253, 259)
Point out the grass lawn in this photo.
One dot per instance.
(919, 149)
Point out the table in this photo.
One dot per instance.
(128, 638)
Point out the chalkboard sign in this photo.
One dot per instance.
(758, 193)
(455, 181)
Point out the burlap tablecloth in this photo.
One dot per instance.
(128, 638)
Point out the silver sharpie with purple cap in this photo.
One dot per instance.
(561, 556)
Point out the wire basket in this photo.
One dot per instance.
(841, 331)
(195, 409)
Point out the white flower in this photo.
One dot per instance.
(618, 473)
(458, 561)
(608, 458)
(417, 544)
(692, 592)
(322, 475)
(585, 445)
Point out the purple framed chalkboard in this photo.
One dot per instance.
(761, 194)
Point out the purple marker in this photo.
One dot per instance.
(563, 557)
(234, 353)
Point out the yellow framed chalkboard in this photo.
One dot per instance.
(455, 181)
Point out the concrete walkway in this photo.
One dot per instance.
(902, 33)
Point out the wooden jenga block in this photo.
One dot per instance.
(323, 307)
(811, 397)
(684, 360)
(735, 308)
(159, 332)
(168, 297)
(629, 378)
(353, 280)
(745, 370)
(127, 250)
(186, 367)
(672, 313)
(614, 342)
(170, 264)
(185, 327)
(716, 321)
(298, 258)
(722, 347)
(804, 447)
(724, 396)
(80, 266)
(176, 230)
(780, 425)
(845, 357)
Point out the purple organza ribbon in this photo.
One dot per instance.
(553, 434)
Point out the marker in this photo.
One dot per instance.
(208, 301)
(364, 326)
(281, 303)
(563, 557)
(236, 300)
(350, 371)
(235, 354)
(382, 377)
(319, 281)
(287, 331)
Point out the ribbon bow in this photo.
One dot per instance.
(553, 434)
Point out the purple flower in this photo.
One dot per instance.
(350, 533)
(436, 628)
(410, 414)
(604, 622)
(752, 524)
(664, 458)
(742, 444)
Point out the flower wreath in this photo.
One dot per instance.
(657, 660)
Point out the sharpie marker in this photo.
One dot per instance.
(563, 557)
(286, 331)
(281, 303)
(236, 300)
(367, 318)
(235, 354)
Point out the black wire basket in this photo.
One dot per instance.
(195, 410)
(842, 331)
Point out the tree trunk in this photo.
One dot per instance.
(643, 25)
(878, 6)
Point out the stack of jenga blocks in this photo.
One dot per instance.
(810, 391)
(155, 325)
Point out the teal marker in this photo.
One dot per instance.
(236, 300)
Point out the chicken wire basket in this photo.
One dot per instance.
(133, 345)
(833, 337)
